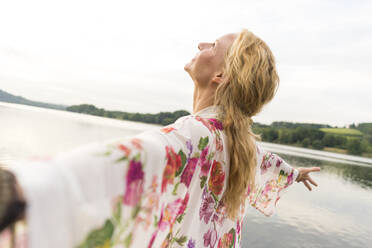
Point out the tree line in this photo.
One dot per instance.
(307, 135)
(162, 118)
(310, 136)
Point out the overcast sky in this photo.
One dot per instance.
(129, 55)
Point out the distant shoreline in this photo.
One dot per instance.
(353, 141)
(139, 127)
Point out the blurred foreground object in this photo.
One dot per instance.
(12, 209)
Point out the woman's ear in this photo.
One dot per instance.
(218, 78)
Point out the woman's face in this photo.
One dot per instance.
(208, 62)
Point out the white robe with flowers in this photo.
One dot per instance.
(160, 188)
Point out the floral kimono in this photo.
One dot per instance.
(160, 188)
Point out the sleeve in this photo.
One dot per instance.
(106, 192)
(273, 177)
(78, 192)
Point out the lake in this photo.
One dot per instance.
(337, 213)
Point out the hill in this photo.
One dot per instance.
(7, 97)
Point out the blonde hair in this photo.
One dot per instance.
(251, 81)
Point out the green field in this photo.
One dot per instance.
(342, 131)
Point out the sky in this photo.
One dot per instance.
(130, 55)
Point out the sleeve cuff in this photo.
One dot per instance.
(296, 173)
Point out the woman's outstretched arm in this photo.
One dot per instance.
(273, 177)
(77, 191)
(99, 193)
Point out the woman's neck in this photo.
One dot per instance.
(203, 98)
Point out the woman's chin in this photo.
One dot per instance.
(187, 67)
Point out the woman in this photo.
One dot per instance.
(185, 185)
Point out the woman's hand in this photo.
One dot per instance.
(12, 201)
(303, 176)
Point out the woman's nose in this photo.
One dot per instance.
(202, 45)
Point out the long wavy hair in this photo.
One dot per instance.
(251, 81)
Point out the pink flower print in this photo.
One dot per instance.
(227, 240)
(174, 162)
(172, 209)
(125, 149)
(219, 146)
(204, 153)
(136, 142)
(152, 239)
(188, 172)
(238, 227)
(267, 189)
(167, 129)
(205, 123)
(205, 164)
(276, 200)
(152, 202)
(216, 123)
(238, 230)
(156, 231)
(265, 163)
(248, 190)
(183, 204)
(279, 162)
(134, 183)
(290, 178)
(217, 178)
(207, 207)
(220, 214)
(170, 213)
(210, 238)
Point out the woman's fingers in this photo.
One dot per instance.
(312, 169)
(307, 185)
(312, 181)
